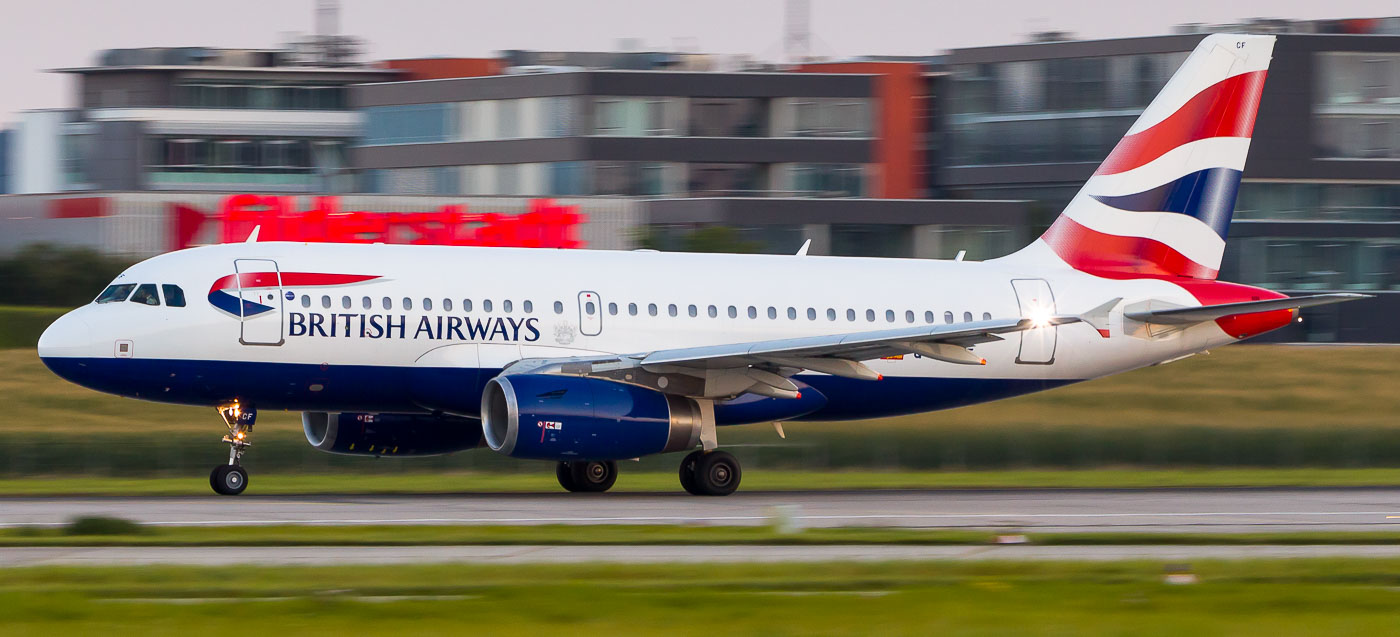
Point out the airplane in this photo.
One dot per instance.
(585, 358)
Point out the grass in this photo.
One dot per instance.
(1247, 406)
(542, 480)
(1265, 597)
(20, 327)
(112, 533)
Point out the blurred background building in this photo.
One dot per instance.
(975, 149)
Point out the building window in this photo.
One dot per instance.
(607, 117)
(507, 119)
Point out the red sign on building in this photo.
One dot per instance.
(545, 225)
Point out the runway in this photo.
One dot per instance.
(621, 554)
(1047, 510)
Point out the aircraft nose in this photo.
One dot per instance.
(69, 336)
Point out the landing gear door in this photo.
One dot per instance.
(260, 301)
(590, 314)
(1036, 300)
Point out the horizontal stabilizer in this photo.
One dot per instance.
(1185, 315)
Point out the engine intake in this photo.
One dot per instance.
(389, 434)
(555, 417)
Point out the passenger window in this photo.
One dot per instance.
(986, 316)
(753, 312)
(713, 311)
(693, 311)
(631, 309)
(850, 314)
(889, 316)
(772, 313)
(407, 303)
(811, 314)
(305, 301)
(174, 295)
(612, 309)
(558, 307)
(345, 302)
(388, 303)
(651, 309)
(948, 318)
(733, 312)
(466, 305)
(830, 314)
(792, 314)
(367, 303)
(325, 301)
(928, 316)
(507, 306)
(116, 293)
(967, 317)
(590, 309)
(671, 309)
(447, 305)
(870, 315)
(486, 305)
(146, 294)
(427, 305)
(529, 307)
(908, 316)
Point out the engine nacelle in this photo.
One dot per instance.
(549, 417)
(389, 434)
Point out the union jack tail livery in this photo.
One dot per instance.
(1160, 205)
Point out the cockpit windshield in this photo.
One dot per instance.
(116, 293)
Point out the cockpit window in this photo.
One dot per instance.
(116, 293)
(174, 296)
(146, 293)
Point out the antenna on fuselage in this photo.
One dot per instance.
(253, 236)
(802, 251)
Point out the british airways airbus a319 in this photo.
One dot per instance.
(585, 357)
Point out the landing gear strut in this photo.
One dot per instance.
(710, 473)
(232, 478)
(589, 476)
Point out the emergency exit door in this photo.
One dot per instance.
(1036, 302)
(590, 314)
(260, 301)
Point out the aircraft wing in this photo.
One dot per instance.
(1186, 315)
(858, 346)
(763, 367)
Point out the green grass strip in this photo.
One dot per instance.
(765, 480)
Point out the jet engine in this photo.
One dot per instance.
(389, 434)
(557, 417)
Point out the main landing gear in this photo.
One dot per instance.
(232, 478)
(586, 476)
(710, 473)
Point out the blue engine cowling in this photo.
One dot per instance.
(549, 417)
(389, 434)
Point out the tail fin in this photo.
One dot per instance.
(1160, 205)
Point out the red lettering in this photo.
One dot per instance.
(545, 224)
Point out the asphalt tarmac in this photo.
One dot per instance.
(1058, 510)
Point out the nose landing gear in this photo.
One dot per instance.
(232, 478)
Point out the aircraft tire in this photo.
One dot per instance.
(564, 471)
(687, 473)
(228, 479)
(717, 473)
(594, 476)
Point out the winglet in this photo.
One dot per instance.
(1098, 317)
(802, 251)
(253, 236)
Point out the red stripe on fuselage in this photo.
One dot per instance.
(1225, 109)
(250, 280)
(1117, 257)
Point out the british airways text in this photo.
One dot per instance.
(438, 328)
